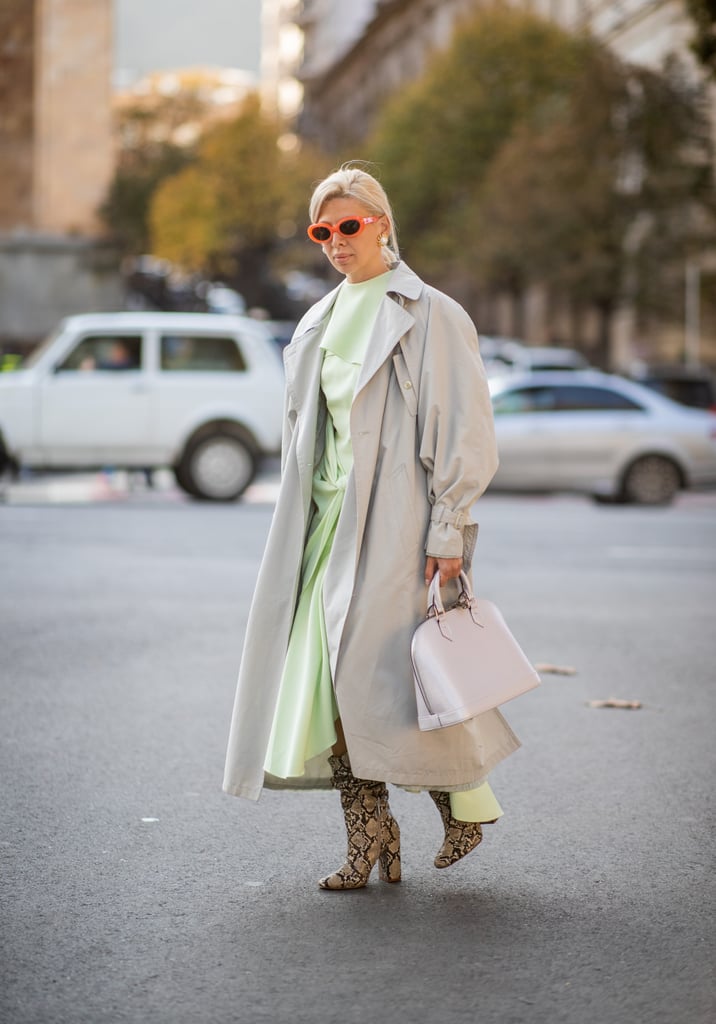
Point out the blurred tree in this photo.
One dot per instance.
(148, 129)
(437, 138)
(229, 212)
(529, 156)
(703, 13)
(604, 202)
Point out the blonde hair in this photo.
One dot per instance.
(352, 182)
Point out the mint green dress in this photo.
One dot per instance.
(306, 710)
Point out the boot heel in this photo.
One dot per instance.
(389, 869)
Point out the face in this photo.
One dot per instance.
(359, 257)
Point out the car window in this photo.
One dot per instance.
(104, 352)
(576, 397)
(532, 399)
(201, 352)
(538, 367)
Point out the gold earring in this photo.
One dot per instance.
(381, 239)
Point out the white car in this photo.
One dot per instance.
(200, 393)
(506, 355)
(600, 434)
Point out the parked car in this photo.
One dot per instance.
(197, 392)
(506, 355)
(600, 434)
(498, 353)
(683, 384)
(540, 358)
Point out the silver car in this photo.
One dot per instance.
(600, 434)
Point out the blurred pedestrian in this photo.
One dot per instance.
(388, 442)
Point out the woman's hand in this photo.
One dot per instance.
(450, 568)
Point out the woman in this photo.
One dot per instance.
(388, 442)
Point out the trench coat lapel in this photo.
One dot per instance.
(302, 362)
(392, 323)
(302, 359)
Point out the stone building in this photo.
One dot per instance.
(282, 44)
(355, 53)
(56, 161)
(388, 47)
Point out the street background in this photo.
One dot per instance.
(134, 890)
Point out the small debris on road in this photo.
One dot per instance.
(150, 819)
(556, 670)
(615, 702)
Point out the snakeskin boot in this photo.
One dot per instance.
(373, 833)
(461, 837)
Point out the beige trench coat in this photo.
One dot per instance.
(424, 451)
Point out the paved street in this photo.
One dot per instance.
(133, 890)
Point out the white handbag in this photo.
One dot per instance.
(465, 660)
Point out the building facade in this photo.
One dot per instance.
(56, 161)
(348, 56)
(55, 77)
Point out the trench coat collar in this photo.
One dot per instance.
(392, 322)
(404, 282)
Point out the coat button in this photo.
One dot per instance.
(407, 385)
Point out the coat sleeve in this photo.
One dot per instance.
(455, 424)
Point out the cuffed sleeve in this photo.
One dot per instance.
(445, 533)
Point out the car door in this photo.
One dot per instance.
(524, 427)
(592, 428)
(95, 403)
(204, 375)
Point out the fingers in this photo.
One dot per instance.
(446, 575)
(450, 568)
(431, 567)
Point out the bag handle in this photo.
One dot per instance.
(435, 603)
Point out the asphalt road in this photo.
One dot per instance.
(133, 890)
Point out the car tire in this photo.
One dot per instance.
(218, 464)
(183, 480)
(652, 480)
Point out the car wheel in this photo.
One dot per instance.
(652, 480)
(216, 466)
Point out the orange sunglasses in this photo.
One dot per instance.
(348, 226)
